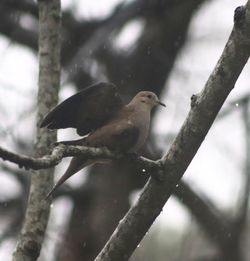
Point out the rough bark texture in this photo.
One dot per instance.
(36, 218)
(61, 151)
(204, 109)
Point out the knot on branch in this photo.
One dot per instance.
(158, 171)
(239, 16)
(194, 101)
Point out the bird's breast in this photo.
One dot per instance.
(142, 122)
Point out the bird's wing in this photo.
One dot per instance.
(126, 139)
(87, 110)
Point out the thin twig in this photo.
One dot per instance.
(61, 151)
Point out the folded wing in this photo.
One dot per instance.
(87, 110)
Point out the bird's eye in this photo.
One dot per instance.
(149, 96)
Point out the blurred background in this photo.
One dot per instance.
(169, 47)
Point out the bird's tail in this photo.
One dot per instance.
(76, 164)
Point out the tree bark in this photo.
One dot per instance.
(31, 237)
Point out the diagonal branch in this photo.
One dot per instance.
(204, 109)
(244, 201)
(215, 223)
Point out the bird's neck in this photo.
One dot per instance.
(139, 113)
(138, 107)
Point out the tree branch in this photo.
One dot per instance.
(204, 109)
(216, 225)
(244, 200)
(61, 151)
(31, 237)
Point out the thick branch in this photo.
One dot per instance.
(205, 107)
(216, 225)
(31, 237)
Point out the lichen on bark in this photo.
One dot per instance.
(36, 218)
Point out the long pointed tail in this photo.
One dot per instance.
(75, 165)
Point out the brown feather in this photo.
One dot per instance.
(87, 110)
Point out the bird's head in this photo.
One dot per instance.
(147, 98)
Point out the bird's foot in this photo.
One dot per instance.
(158, 173)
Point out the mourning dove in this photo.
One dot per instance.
(99, 113)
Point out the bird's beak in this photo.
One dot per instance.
(161, 103)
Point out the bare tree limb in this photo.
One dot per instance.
(31, 237)
(16, 32)
(21, 5)
(204, 109)
(216, 225)
(233, 105)
(15, 221)
(244, 201)
(61, 151)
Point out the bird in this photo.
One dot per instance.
(99, 115)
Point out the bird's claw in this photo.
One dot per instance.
(159, 174)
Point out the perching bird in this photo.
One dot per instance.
(99, 113)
